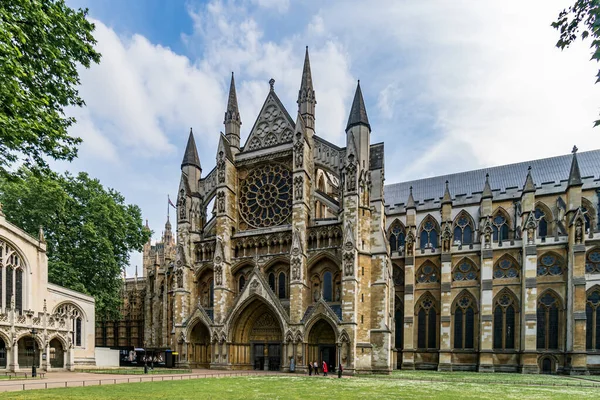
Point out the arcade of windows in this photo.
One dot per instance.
(74, 313)
(11, 276)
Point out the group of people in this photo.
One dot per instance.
(314, 367)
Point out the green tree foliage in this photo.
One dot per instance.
(89, 230)
(582, 20)
(42, 43)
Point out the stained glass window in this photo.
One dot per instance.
(463, 229)
(547, 322)
(550, 264)
(464, 322)
(506, 268)
(499, 227)
(465, 271)
(9, 286)
(397, 237)
(592, 265)
(429, 234)
(266, 196)
(19, 290)
(427, 323)
(592, 330)
(272, 281)
(428, 273)
(327, 286)
(282, 285)
(540, 215)
(504, 322)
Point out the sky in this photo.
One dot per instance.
(448, 86)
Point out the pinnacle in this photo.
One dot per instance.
(190, 156)
(529, 185)
(447, 197)
(574, 173)
(487, 190)
(358, 112)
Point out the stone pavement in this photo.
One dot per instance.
(79, 379)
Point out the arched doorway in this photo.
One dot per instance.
(57, 354)
(547, 365)
(27, 351)
(321, 345)
(257, 338)
(2, 353)
(199, 351)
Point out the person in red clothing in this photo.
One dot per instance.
(324, 368)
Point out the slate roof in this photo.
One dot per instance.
(547, 171)
(358, 112)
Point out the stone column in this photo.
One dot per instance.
(408, 357)
(445, 363)
(486, 334)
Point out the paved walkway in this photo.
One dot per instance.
(79, 379)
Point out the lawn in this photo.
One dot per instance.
(137, 371)
(303, 387)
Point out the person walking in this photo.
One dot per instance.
(316, 368)
(324, 368)
(340, 370)
(310, 368)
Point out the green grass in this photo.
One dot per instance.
(472, 377)
(304, 387)
(137, 371)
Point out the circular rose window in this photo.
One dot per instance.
(266, 196)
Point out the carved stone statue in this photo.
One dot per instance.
(578, 232)
(298, 187)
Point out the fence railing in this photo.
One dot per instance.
(11, 387)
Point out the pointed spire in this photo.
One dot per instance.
(447, 199)
(410, 203)
(529, 185)
(574, 174)
(191, 153)
(232, 112)
(147, 226)
(358, 112)
(306, 92)
(487, 190)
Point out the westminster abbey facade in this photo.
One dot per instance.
(292, 250)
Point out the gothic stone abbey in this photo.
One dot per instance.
(307, 256)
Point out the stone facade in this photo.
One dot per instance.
(289, 250)
(63, 319)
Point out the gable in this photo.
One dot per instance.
(273, 127)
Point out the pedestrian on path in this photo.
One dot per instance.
(310, 368)
(324, 368)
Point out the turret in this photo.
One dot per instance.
(306, 96)
(359, 127)
(232, 119)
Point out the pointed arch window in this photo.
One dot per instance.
(463, 229)
(464, 322)
(540, 216)
(211, 298)
(429, 234)
(506, 267)
(428, 273)
(499, 227)
(241, 283)
(427, 323)
(399, 324)
(548, 321)
(592, 262)
(9, 286)
(505, 309)
(550, 264)
(592, 331)
(76, 316)
(465, 271)
(327, 286)
(397, 237)
(282, 285)
(272, 281)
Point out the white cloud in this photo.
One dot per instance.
(279, 5)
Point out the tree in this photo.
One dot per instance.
(582, 19)
(42, 42)
(89, 230)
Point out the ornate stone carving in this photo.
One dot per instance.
(221, 167)
(221, 202)
(296, 264)
(578, 231)
(410, 241)
(487, 233)
(298, 187)
(349, 263)
(182, 204)
(351, 174)
(531, 226)
(179, 276)
(255, 287)
(271, 128)
(446, 237)
(299, 151)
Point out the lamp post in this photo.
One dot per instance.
(33, 368)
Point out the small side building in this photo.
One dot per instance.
(39, 322)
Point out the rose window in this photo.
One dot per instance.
(266, 196)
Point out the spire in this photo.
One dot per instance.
(410, 203)
(306, 92)
(574, 174)
(191, 153)
(447, 199)
(487, 190)
(529, 185)
(232, 113)
(358, 112)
